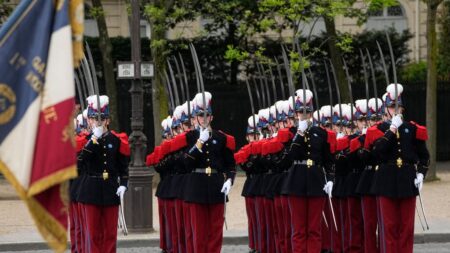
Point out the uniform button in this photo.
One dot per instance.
(398, 143)
(104, 146)
(206, 144)
(309, 145)
(104, 154)
(309, 153)
(207, 152)
(207, 160)
(399, 150)
(104, 162)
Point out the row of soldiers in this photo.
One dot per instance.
(197, 170)
(341, 179)
(103, 157)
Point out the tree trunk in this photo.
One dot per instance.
(336, 59)
(431, 116)
(159, 95)
(104, 43)
(231, 40)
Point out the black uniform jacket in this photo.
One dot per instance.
(217, 154)
(401, 158)
(304, 180)
(110, 155)
(342, 166)
(357, 165)
(74, 188)
(370, 162)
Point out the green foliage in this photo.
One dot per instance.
(234, 54)
(96, 12)
(414, 72)
(5, 11)
(443, 43)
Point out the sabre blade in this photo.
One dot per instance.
(394, 71)
(374, 81)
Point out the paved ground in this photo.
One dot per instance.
(418, 248)
(16, 225)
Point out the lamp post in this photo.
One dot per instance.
(138, 199)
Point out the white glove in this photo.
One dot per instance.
(364, 130)
(340, 135)
(419, 181)
(121, 190)
(328, 188)
(204, 135)
(302, 126)
(397, 121)
(97, 131)
(226, 188)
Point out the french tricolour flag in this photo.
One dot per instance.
(37, 154)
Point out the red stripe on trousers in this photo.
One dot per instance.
(279, 219)
(162, 224)
(189, 241)
(81, 237)
(306, 215)
(262, 231)
(369, 207)
(356, 225)
(397, 216)
(172, 222)
(271, 232)
(101, 223)
(287, 223)
(251, 217)
(207, 223)
(180, 225)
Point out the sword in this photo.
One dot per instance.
(225, 211)
(303, 75)
(325, 219)
(187, 87)
(330, 202)
(420, 219)
(423, 211)
(261, 86)
(349, 82)
(313, 83)
(366, 79)
(180, 78)
(169, 91)
(272, 78)
(258, 96)
(262, 72)
(394, 71)
(95, 83)
(122, 215)
(201, 84)
(80, 94)
(252, 106)
(330, 91)
(338, 95)
(374, 81)
(288, 74)
(174, 84)
(280, 76)
(386, 74)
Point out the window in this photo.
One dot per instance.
(393, 16)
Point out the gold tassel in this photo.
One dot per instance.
(76, 14)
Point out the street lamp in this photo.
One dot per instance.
(138, 200)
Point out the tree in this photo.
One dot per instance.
(104, 43)
(432, 54)
(5, 11)
(162, 15)
(444, 46)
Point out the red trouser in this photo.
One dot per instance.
(207, 223)
(73, 226)
(327, 230)
(172, 222)
(397, 219)
(287, 223)
(188, 233)
(280, 242)
(251, 217)
(339, 236)
(356, 225)
(101, 224)
(306, 215)
(180, 225)
(270, 223)
(162, 224)
(81, 237)
(262, 228)
(369, 208)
